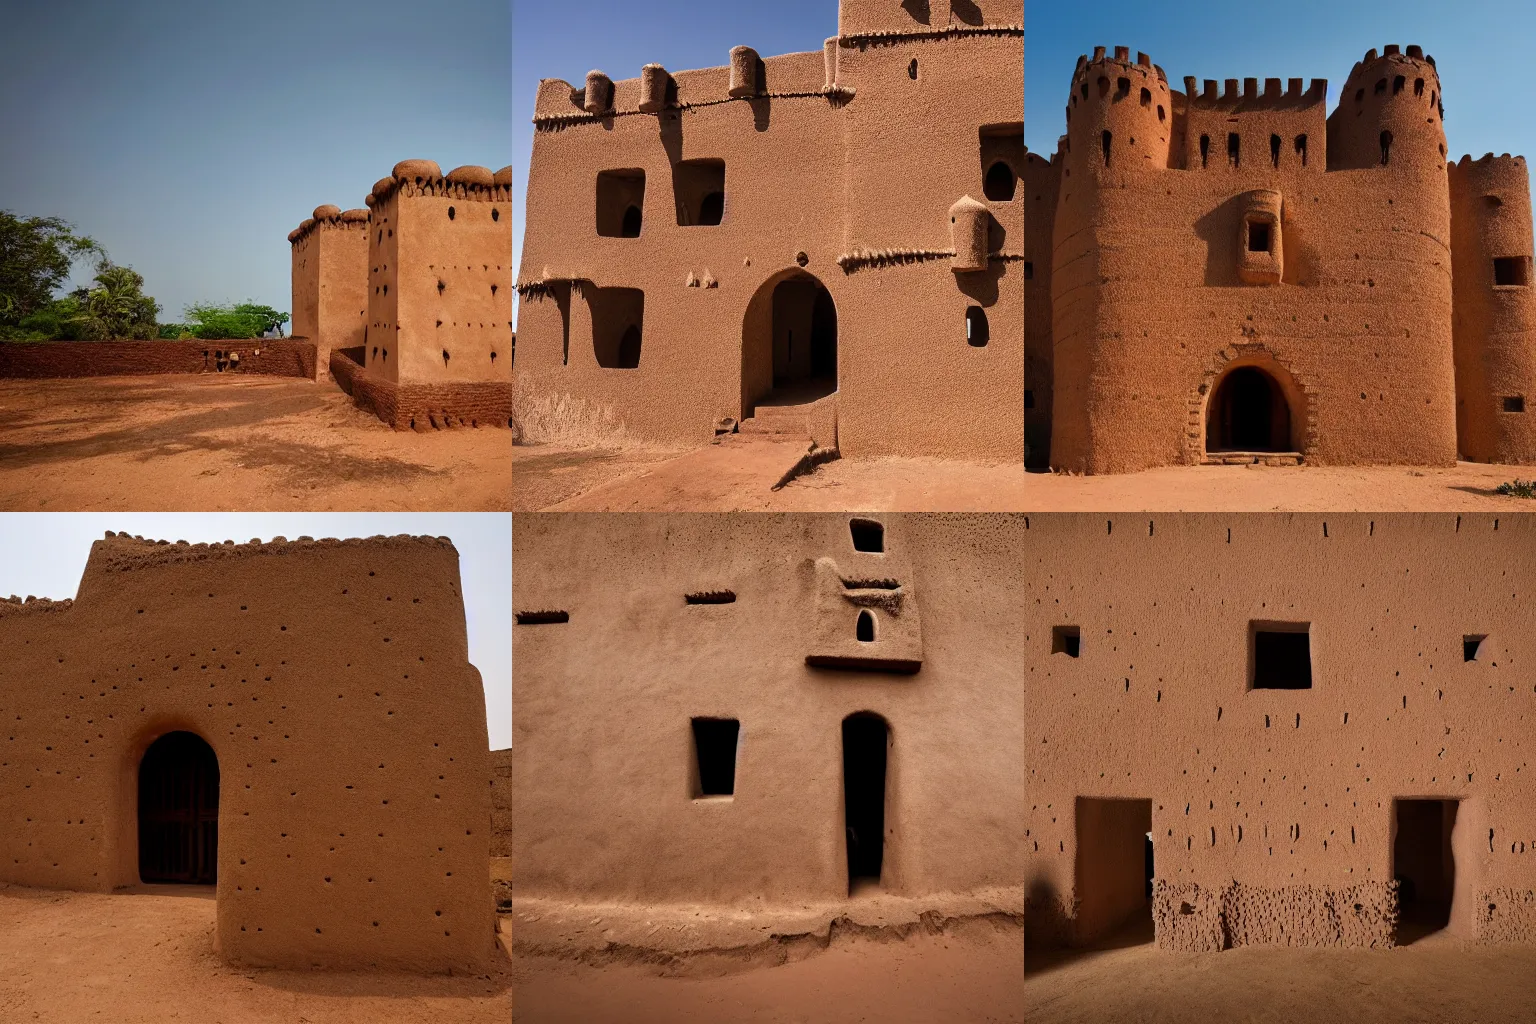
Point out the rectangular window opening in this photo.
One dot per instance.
(541, 618)
(1258, 237)
(1280, 655)
(714, 750)
(1472, 646)
(698, 187)
(868, 535)
(620, 203)
(1514, 403)
(1066, 640)
(1512, 270)
(618, 326)
(711, 597)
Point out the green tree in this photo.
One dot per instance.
(36, 255)
(243, 320)
(117, 307)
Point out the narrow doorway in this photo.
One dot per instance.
(866, 738)
(1423, 865)
(179, 811)
(1114, 870)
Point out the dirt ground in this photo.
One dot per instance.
(147, 958)
(184, 442)
(1436, 980)
(972, 976)
(740, 477)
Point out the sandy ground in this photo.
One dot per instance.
(212, 443)
(739, 477)
(147, 958)
(1437, 980)
(971, 976)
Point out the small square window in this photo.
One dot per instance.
(620, 203)
(1258, 237)
(698, 188)
(1471, 647)
(1066, 640)
(1512, 270)
(1514, 403)
(1281, 655)
(868, 535)
(714, 748)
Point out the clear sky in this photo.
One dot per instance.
(44, 553)
(618, 37)
(190, 136)
(1480, 49)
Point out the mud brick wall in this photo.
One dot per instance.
(282, 357)
(416, 406)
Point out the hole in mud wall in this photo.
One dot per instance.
(1386, 147)
(541, 618)
(698, 190)
(912, 69)
(1281, 655)
(495, 214)
(179, 811)
(1248, 413)
(1512, 270)
(1105, 139)
(1471, 647)
(618, 323)
(1301, 149)
(1424, 865)
(1114, 868)
(1205, 150)
(714, 751)
(1146, 97)
(620, 202)
(1234, 149)
(1514, 403)
(866, 740)
(1258, 236)
(1000, 182)
(864, 630)
(1066, 640)
(711, 597)
(868, 535)
(976, 332)
(451, 213)
(1274, 150)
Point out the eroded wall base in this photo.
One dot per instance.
(424, 406)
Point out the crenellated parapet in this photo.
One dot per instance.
(1119, 113)
(1390, 113)
(424, 178)
(329, 216)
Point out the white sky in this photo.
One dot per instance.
(44, 553)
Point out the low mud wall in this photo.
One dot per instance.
(280, 357)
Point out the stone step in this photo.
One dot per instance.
(1252, 459)
(795, 425)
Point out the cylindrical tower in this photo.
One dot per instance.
(1494, 297)
(1120, 114)
(1389, 114)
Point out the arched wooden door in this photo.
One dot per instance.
(179, 811)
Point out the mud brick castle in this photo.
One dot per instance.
(323, 763)
(408, 301)
(1231, 273)
(824, 243)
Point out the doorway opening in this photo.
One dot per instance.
(789, 343)
(179, 811)
(1248, 413)
(866, 739)
(1424, 865)
(1114, 870)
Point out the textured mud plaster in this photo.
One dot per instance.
(1229, 227)
(602, 749)
(1274, 812)
(420, 281)
(824, 185)
(331, 680)
(501, 829)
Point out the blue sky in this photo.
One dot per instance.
(190, 136)
(44, 553)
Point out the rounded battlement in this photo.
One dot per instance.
(1390, 113)
(472, 174)
(327, 211)
(1120, 112)
(421, 171)
(354, 216)
(503, 177)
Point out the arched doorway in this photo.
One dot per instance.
(179, 811)
(865, 740)
(1248, 412)
(789, 342)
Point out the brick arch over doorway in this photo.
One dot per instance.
(1298, 395)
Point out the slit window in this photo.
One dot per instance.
(541, 618)
(1280, 654)
(1418, 87)
(1386, 147)
(864, 629)
(1066, 640)
(1512, 270)
(1234, 149)
(698, 187)
(1301, 149)
(1146, 97)
(1107, 138)
(976, 331)
(714, 751)
(620, 203)
(1514, 403)
(1000, 182)
(868, 535)
(1274, 150)
(1397, 84)
(1205, 150)
(711, 597)
(1472, 646)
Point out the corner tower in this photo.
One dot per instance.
(1390, 114)
(1494, 323)
(330, 280)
